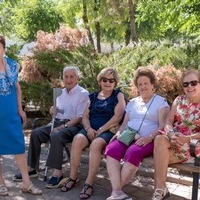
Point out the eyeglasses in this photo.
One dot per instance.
(192, 83)
(111, 80)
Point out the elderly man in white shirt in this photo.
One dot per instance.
(72, 101)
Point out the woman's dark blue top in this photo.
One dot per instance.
(101, 111)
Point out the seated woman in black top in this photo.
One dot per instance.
(104, 111)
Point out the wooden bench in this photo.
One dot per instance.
(193, 168)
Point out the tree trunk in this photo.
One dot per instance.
(127, 36)
(97, 25)
(132, 9)
(98, 35)
(85, 20)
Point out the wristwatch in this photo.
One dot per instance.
(65, 125)
(169, 131)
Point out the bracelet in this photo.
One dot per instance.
(101, 129)
(88, 128)
(151, 136)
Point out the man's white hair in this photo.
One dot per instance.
(75, 68)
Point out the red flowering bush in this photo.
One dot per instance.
(65, 39)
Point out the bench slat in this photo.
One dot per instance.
(189, 167)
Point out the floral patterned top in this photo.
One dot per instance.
(8, 78)
(187, 121)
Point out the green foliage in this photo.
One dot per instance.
(34, 93)
(155, 19)
(12, 51)
(128, 59)
(51, 63)
(158, 19)
(31, 16)
(158, 55)
(6, 22)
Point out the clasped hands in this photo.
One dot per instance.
(92, 134)
(177, 139)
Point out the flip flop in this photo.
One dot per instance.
(122, 197)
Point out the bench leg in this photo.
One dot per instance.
(67, 151)
(195, 182)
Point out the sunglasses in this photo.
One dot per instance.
(192, 83)
(111, 80)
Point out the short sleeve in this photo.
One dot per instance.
(130, 105)
(12, 70)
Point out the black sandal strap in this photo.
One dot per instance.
(86, 186)
(65, 188)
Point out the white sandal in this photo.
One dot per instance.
(31, 189)
(3, 190)
(161, 194)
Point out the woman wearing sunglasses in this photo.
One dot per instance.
(104, 111)
(182, 125)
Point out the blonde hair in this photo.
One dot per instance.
(108, 71)
(190, 71)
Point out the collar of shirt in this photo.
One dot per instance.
(73, 89)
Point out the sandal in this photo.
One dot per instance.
(69, 184)
(86, 187)
(3, 190)
(161, 194)
(121, 197)
(31, 189)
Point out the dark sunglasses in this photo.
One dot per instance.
(111, 80)
(192, 83)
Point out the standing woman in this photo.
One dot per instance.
(182, 125)
(11, 114)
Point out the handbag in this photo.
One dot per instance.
(129, 135)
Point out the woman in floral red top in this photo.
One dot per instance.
(182, 125)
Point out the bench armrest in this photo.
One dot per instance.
(193, 144)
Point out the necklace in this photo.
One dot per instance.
(101, 104)
(102, 96)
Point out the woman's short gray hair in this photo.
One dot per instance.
(75, 68)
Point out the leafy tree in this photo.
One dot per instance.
(158, 19)
(34, 15)
(6, 22)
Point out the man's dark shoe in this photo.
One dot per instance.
(54, 182)
(32, 174)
